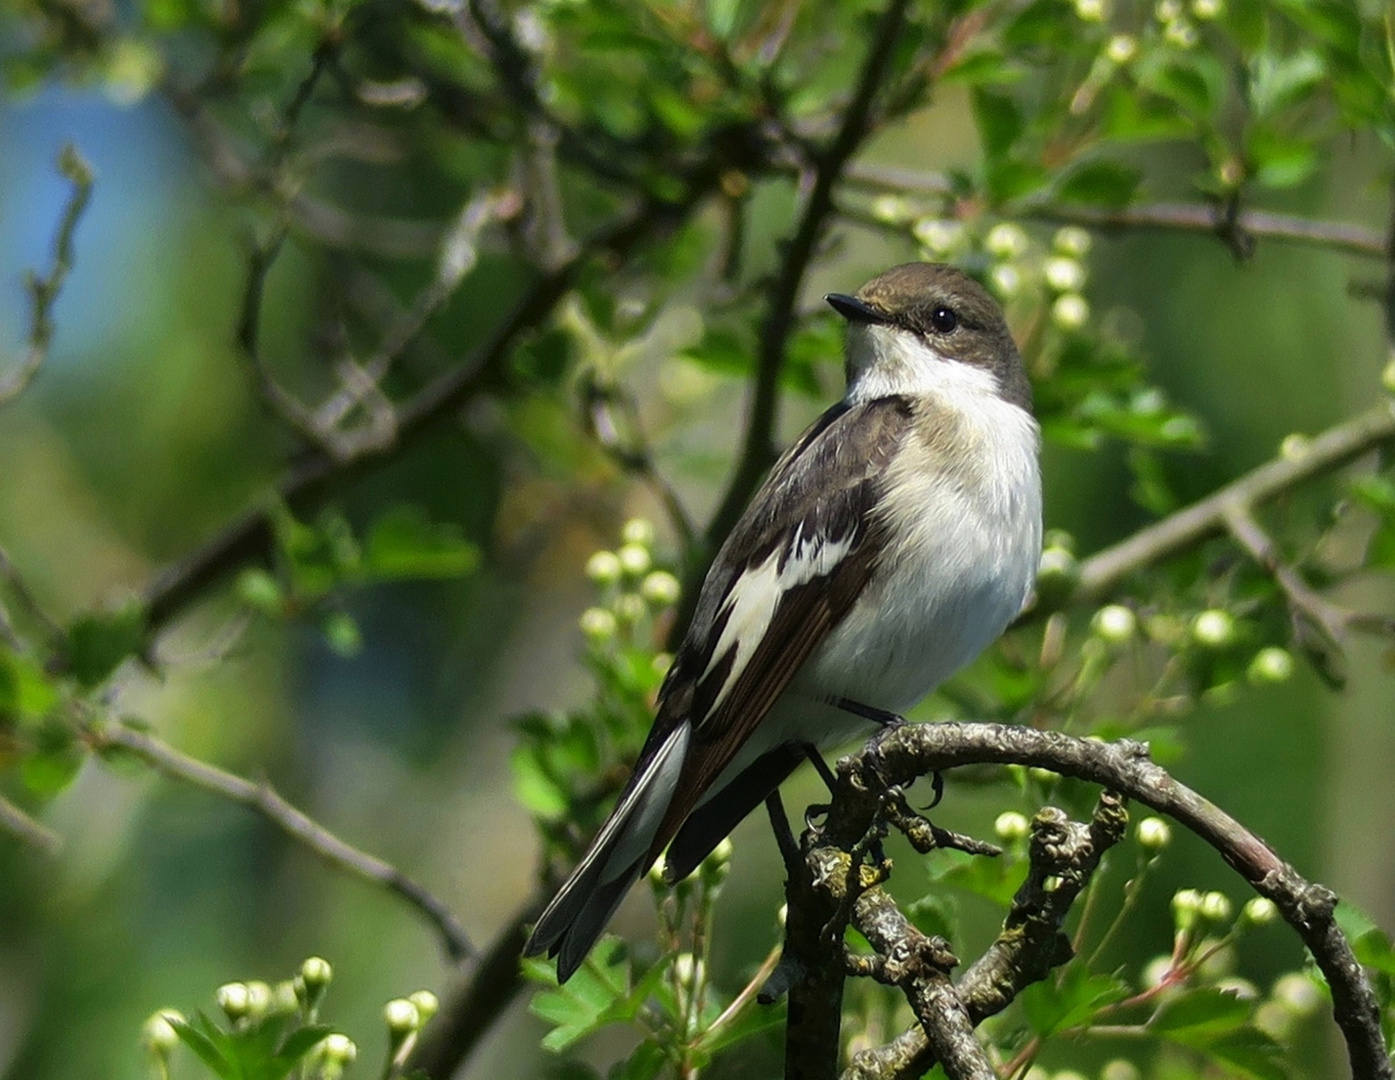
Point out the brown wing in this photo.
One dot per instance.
(812, 522)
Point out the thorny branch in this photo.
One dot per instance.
(106, 738)
(43, 291)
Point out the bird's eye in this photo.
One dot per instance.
(943, 320)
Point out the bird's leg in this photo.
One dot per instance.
(887, 722)
(784, 837)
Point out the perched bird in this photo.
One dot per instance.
(891, 544)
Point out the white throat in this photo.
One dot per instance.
(884, 361)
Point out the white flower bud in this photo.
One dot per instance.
(1072, 241)
(1259, 911)
(638, 531)
(603, 568)
(316, 972)
(1056, 562)
(1119, 1069)
(1207, 9)
(660, 588)
(1006, 240)
(1091, 10)
(339, 1050)
(401, 1016)
(940, 237)
(1181, 32)
(890, 208)
(1186, 906)
(233, 999)
(1216, 906)
(427, 1003)
(1156, 971)
(634, 559)
(1271, 665)
(258, 998)
(1295, 447)
(1006, 280)
(1121, 48)
(284, 998)
(1064, 274)
(1213, 628)
(1296, 992)
(1114, 623)
(598, 624)
(1166, 11)
(1154, 834)
(1070, 311)
(1011, 825)
(1272, 1018)
(1068, 1074)
(159, 1034)
(688, 968)
(630, 607)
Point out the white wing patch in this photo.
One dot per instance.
(755, 595)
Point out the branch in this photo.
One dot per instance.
(15, 821)
(757, 451)
(1104, 571)
(1164, 216)
(250, 536)
(166, 760)
(1124, 767)
(43, 291)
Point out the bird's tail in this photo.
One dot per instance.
(618, 856)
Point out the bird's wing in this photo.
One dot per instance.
(791, 569)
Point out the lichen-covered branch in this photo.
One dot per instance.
(108, 738)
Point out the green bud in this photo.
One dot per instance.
(258, 998)
(630, 607)
(233, 999)
(258, 589)
(1072, 240)
(1153, 834)
(660, 588)
(1271, 665)
(1213, 628)
(316, 972)
(339, 1050)
(1071, 311)
(638, 531)
(603, 568)
(1006, 240)
(1186, 907)
(1010, 825)
(1216, 907)
(158, 1033)
(1064, 274)
(1259, 911)
(1121, 48)
(598, 624)
(1114, 623)
(427, 1003)
(634, 559)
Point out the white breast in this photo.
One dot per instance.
(966, 539)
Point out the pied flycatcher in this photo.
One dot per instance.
(891, 544)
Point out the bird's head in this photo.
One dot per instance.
(919, 325)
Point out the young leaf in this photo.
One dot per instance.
(1073, 1003)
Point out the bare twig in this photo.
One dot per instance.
(17, 823)
(165, 759)
(1103, 572)
(43, 291)
(10, 575)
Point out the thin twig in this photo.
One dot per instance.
(17, 823)
(260, 797)
(43, 291)
(757, 450)
(10, 575)
(1167, 216)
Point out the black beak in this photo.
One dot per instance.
(853, 309)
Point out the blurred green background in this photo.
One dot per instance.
(141, 436)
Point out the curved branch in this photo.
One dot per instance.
(1124, 767)
(165, 759)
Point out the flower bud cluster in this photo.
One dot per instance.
(633, 589)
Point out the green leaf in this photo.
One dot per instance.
(1277, 82)
(404, 544)
(535, 786)
(1369, 942)
(209, 1045)
(1280, 161)
(297, 1044)
(1073, 1003)
(1100, 183)
(592, 998)
(55, 761)
(1000, 122)
(646, 1062)
(99, 641)
(1246, 1050)
(1202, 1011)
(27, 693)
(936, 915)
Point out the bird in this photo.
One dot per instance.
(891, 543)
